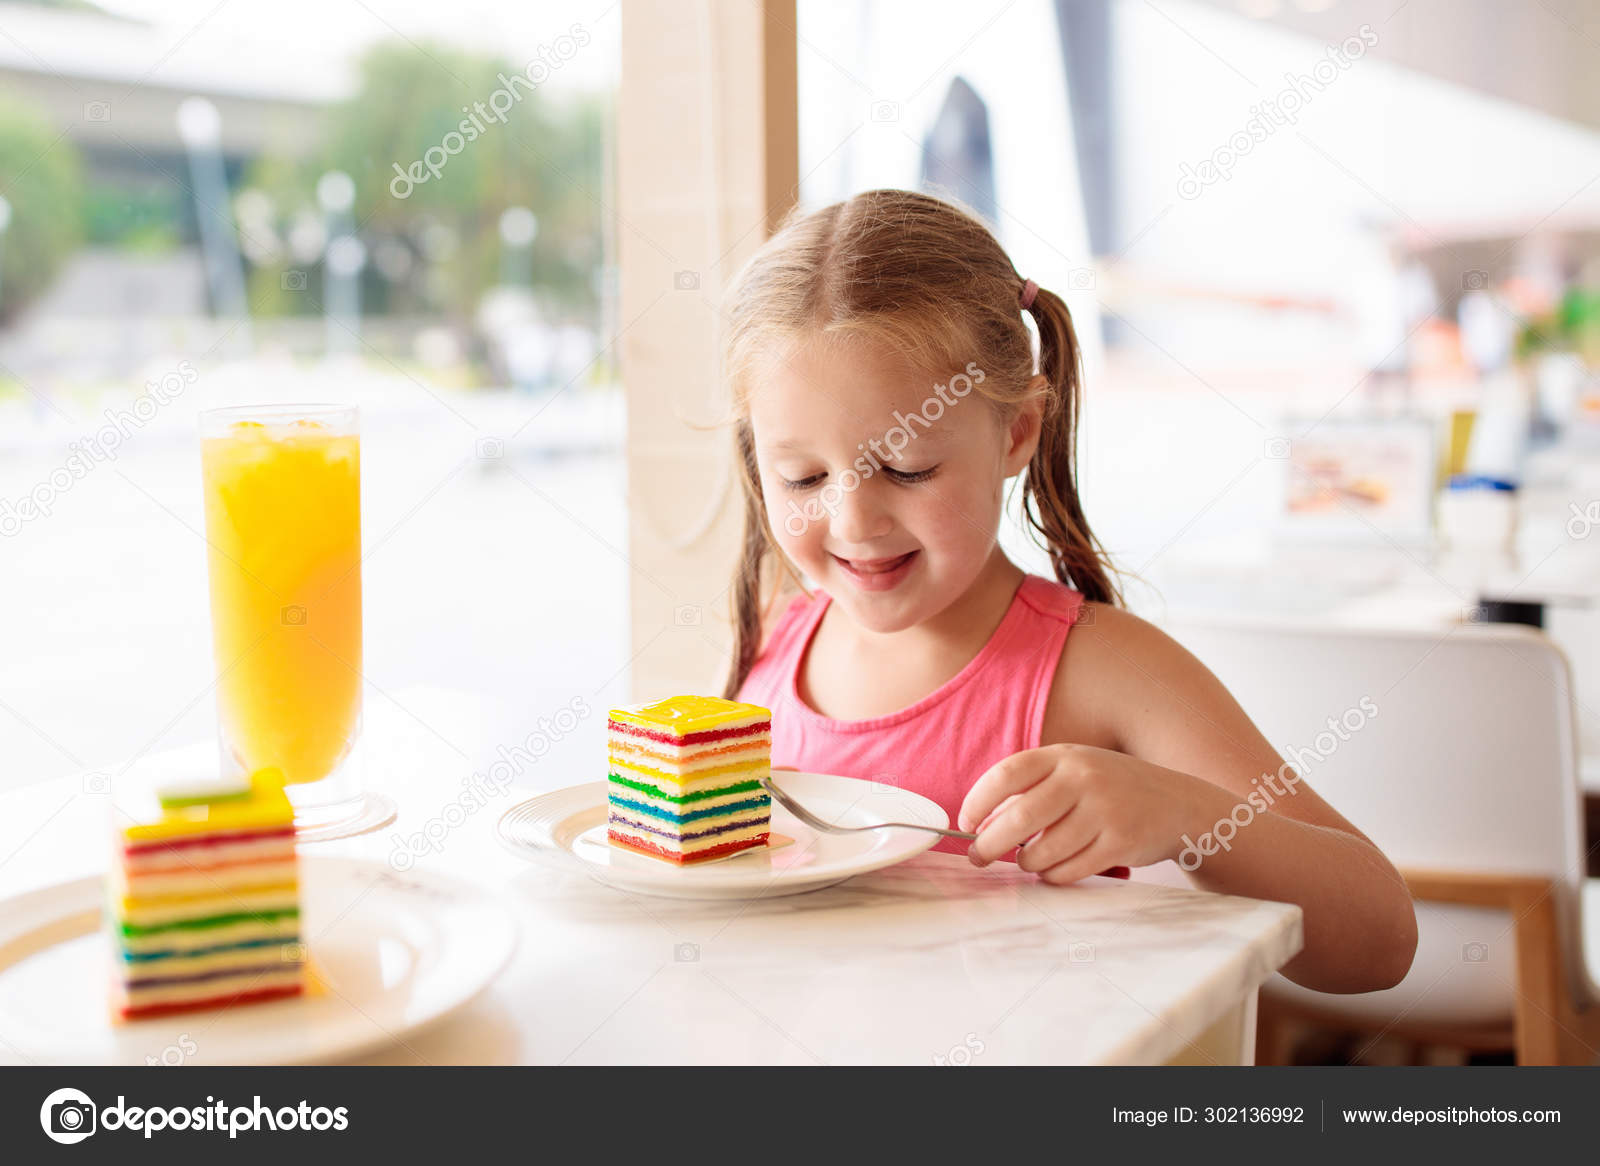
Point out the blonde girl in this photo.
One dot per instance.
(886, 392)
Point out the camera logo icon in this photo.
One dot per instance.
(96, 783)
(68, 1116)
(489, 448)
(686, 615)
(1474, 953)
(686, 281)
(885, 111)
(1081, 279)
(96, 111)
(293, 280)
(293, 616)
(1583, 521)
(1276, 447)
(963, 1053)
(1474, 280)
(1080, 952)
(686, 953)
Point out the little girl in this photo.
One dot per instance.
(885, 392)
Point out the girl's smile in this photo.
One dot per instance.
(878, 574)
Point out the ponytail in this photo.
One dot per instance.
(1050, 488)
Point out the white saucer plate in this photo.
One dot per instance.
(567, 829)
(389, 954)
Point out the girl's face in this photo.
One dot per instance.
(883, 485)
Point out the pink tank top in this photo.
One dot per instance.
(942, 744)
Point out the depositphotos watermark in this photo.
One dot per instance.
(502, 101)
(69, 1116)
(1268, 116)
(1270, 787)
(479, 788)
(174, 1054)
(87, 452)
(896, 439)
(970, 1048)
(1583, 522)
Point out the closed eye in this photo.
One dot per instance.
(903, 477)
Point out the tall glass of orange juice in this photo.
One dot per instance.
(283, 519)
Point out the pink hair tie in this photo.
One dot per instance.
(1029, 290)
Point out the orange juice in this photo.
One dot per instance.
(283, 517)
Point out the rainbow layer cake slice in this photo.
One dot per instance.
(205, 900)
(685, 777)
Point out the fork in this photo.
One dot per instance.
(817, 823)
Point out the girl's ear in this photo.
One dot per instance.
(1023, 433)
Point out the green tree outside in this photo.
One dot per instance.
(545, 155)
(41, 176)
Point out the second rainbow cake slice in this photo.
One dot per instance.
(205, 902)
(684, 777)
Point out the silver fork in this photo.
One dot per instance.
(817, 823)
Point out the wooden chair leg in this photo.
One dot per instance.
(1541, 990)
(1275, 1033)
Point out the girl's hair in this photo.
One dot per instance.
(928, 279)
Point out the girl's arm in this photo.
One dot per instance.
(1150, 754)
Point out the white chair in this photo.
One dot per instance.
(1466, 777)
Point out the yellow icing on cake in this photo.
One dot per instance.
(681, 715)
(266, 807)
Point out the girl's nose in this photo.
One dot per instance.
(858, 517)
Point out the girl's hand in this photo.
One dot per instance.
(1076, 810)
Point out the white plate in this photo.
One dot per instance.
(567, 828)
(391, 953)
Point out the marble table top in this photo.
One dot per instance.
(928, 961)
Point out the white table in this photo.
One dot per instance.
(933, 959)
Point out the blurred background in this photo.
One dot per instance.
(210, 204)
(1335, 263)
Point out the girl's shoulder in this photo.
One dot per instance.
(1051, 600)
(1114, 669)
